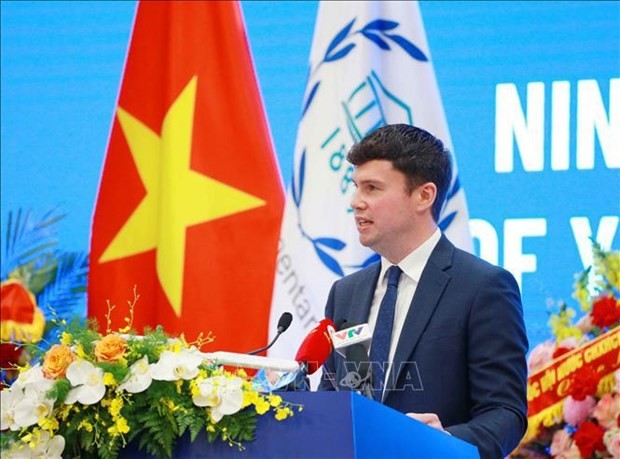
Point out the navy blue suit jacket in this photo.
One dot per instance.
(461, 353)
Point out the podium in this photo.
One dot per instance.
(334, 425)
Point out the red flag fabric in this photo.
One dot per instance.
(190, 199)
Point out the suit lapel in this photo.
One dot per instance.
(432, 283)
(363, 295)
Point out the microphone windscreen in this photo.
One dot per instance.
(341, 323)
(316, 346)
(285, 322)
(358, 356)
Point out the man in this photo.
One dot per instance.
(456, 351)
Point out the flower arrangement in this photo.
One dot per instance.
(574, 382)
(93, 393)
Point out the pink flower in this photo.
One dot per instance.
(612, 442)
(571, 453)
(564, 346)
(575, 412)
(570, 343)
(617, 375)
(540, 356)
(585, 324)
(561, 442)
(607, 410)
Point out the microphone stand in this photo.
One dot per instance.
(264, 348)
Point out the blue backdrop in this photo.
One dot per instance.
(530, 90)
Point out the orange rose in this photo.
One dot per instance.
(56, 361)
(110, 349)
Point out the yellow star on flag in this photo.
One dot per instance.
(176, 196)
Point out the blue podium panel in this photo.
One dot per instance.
(333, 425)
(382, 432)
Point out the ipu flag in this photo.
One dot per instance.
(370, 65)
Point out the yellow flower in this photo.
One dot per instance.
(64, 412)
(274, 400)
(108, 379)
(283, 413)
(249, 398)
(115, 407)
(176, 347)
(241, 373)
(193, 387)
(66, 338)
(121, 425)
(262, 406)
(85, 425)
(170, 404)
(49, 424)
(561, 324)
(80, 351)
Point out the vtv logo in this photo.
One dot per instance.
(358, 334)
(349, 333)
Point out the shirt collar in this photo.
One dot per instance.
(414, 263)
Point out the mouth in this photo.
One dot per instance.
(362, 223)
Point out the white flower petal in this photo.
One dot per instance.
(89, 394)
(72, 396)
(56, 447)
(88, 382)
(25, 413)
(173, 366)
(79, 371)
(8, 399)
(216, 415)
(139, 378)
(201, 400)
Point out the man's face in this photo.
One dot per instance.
(383, 209)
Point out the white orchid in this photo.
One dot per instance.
(8, 401)
(26, 401)
(46, 447)
(173, 366)
(87, 382)
(33, 375)
(224, 395)
(139, 378)
(33, 406)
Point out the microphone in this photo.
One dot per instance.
(316, 347)
(353, 335)
(283, 324)
(358, 375)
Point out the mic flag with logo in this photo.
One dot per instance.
(190, 200)
(370, 65)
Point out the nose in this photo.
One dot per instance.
(356, 200)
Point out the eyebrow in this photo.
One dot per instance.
(367, 181)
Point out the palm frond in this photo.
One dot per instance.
(65, 294)
(29, 240)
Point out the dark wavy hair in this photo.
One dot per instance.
(413, 151)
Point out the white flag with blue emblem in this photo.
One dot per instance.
(369, 66)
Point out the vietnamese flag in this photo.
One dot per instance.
(190, 200)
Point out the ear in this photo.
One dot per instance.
(425, 196)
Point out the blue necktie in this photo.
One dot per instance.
(382, 336)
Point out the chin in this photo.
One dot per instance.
(366, 243)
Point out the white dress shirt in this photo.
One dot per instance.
(412, 266)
